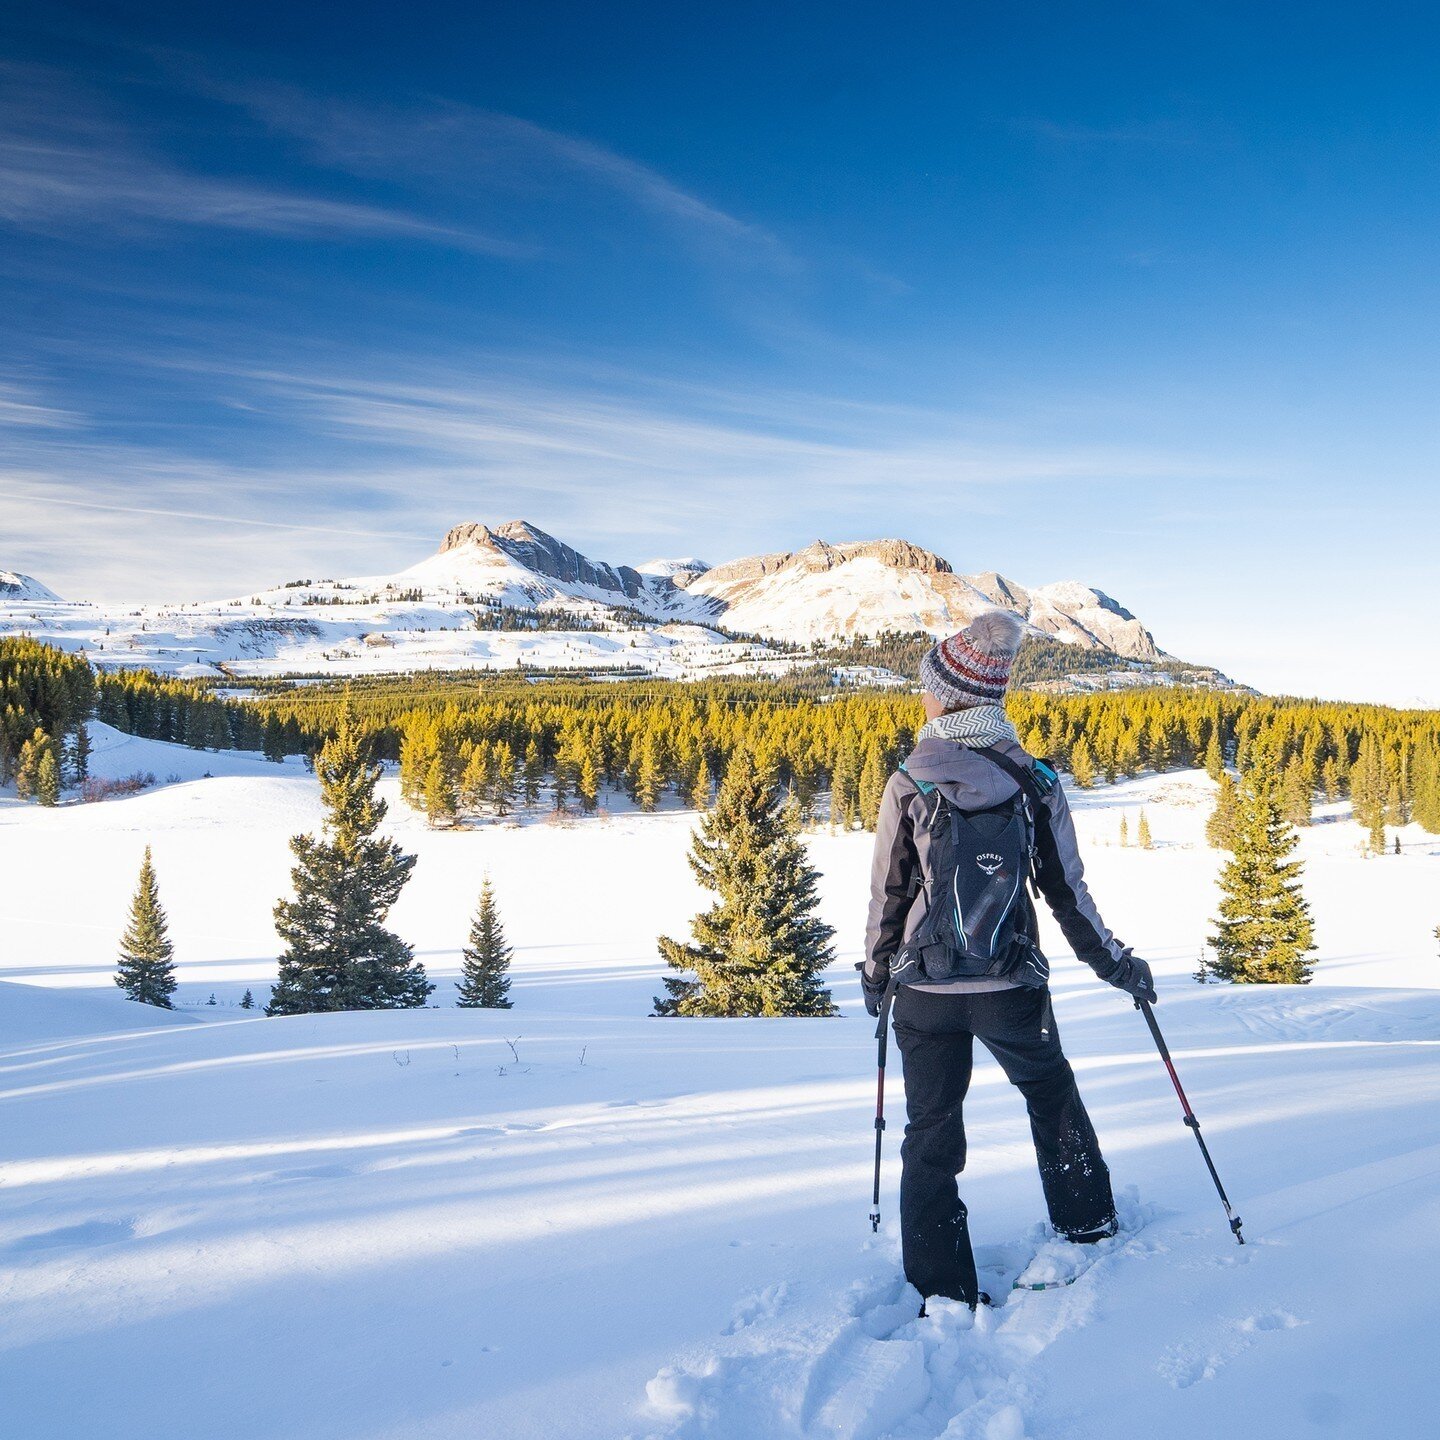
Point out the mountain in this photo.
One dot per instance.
(14, 586)
(827, 590)
(512, 596)
(520, 565)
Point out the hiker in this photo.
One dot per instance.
(964, 823)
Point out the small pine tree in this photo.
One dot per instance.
(1296, 793)
(485, 972)
(533, 771)
(47, 778)
(247, 1001)
(1142, 833)
(700, 790)
(212, 1000)
(1220, 827)
(760, 949)
(872, 788)
(1082, 765)
(1397, 845)
(440, 800)
(1124, 830)
(1264, 934)
(648, 775)
(1214, 760)
(587, 782)
(1376, 839)
(147, 957)
(338, 954)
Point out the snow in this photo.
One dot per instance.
(397, 1225)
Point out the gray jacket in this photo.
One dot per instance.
(901, 871)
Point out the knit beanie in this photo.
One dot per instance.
(973, 667)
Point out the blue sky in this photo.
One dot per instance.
(1143, 295)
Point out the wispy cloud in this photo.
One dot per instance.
(457, 143)
(64, 163)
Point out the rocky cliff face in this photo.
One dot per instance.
(545, 555)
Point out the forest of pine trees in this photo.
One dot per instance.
(760, 948)
(472, 745)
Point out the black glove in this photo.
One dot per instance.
(872, 990)
(1132, 975)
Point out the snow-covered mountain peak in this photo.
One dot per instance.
(15, 586)
(681, 571)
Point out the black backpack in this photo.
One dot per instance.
(980, 922)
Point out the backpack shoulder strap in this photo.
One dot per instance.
(1037, 783)
(923, 786)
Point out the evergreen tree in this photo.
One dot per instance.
(475, 779)
(533, 769)
(80, 754)
(1220, 827)
(147, 957)
(1124, 830)
(1375, 841)
(338, 954)
(648, 775)
(1264, 934)
(440, 799)
(1214, 759)
(247, 1001)
(1142, 834)
(872, 788)
(587, 782)
(1082, 766)
(1296, 793)
(485, 974)
(845, 785)
(760, 949)
(700, 790)
(47, 778)
(272, 744)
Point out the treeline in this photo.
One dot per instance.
(188, 712)
(469, 743)
(477, 745)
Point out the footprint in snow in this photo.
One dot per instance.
(761, 1306)
(1187, 1365)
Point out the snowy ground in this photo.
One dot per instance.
(383, 1226)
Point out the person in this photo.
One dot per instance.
(969, 752)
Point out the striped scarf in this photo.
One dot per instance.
(975, 726)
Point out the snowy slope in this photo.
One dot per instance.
(395, 1227)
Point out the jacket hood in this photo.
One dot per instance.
(967, 780)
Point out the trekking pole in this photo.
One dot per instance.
(882, 1034)
(1143, 1006)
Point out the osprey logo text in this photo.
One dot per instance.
(989, 862)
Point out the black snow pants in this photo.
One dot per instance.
(936, 1034)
